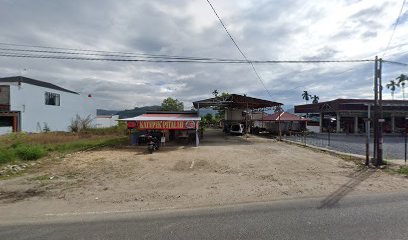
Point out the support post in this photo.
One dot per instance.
(197, 126)
(405, 139)
(368, 135)
(392, 123)
(279, 122)
(246, 121)
(338, 122)
(197, 136)
(355, 125)
(321, 123)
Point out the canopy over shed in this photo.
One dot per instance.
(166, 122)
(236, 101)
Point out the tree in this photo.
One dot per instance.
(306, 96)
(222, 97)
(170, 104)
(215, 93)
(401, 81)
(208, 119)
(315, 99)
(392, 86)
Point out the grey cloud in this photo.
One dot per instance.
(264, 30)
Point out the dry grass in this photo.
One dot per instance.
(23, 146)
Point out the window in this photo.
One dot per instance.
(52, 99)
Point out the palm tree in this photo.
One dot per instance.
(306, 96)
(215, 93)
(401, 81)
(392, 86)
(315, 99)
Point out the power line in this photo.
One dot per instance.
(120, 56)
(180, 60)
(239, 49)
(395, 27)
(396, 63)
(101, 52)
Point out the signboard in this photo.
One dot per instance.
(131, 125)
(162, 125)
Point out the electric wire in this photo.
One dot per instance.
(239, 49)
(180, 60)
(395, 27)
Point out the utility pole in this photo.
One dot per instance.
(375, 115)
(381, 117)
(378, 113)
(279, 122)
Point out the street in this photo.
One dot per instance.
(379, 216)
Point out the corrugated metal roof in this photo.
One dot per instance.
(236, 101)
(34, 82)
(164, 117)
(284, 116)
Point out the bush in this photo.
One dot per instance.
(79, 124)
(26, 152)
(6, 156)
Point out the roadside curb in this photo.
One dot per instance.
(348, 156)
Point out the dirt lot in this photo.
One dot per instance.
(223, 170)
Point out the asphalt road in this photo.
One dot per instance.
(382, 216)
(393, 145)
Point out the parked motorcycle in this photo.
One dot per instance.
(153, 144)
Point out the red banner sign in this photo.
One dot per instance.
(162, 125)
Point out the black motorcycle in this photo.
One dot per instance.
(153, 144)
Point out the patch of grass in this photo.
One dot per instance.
(27, 152)
(7, 156)
(28, 147)
(87, 144)
(403, 170)
(41, 178)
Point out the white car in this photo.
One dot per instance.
(237, 129)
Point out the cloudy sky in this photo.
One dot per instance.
(264, 30)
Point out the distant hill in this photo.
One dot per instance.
(102, 112)
(138, 111)
(204, 111)
(129, 112)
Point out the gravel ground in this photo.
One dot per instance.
(223, 170)
(393, 145)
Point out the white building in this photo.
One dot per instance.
(31, 105)
(106, 121)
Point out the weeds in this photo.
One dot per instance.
(403, 170)
(26, 147)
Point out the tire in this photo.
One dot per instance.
(150, 150)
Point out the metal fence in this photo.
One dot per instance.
(393, 146)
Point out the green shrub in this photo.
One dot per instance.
(403, 170)
(27, 152)
(7, 155)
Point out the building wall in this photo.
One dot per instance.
(4, 94)
(234, 115)
(6, 130)
(315, 129)
(29, 100)
(107, 121)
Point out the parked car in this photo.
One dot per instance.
(237, 129)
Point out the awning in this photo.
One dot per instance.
(164, 121)
(236, 101)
